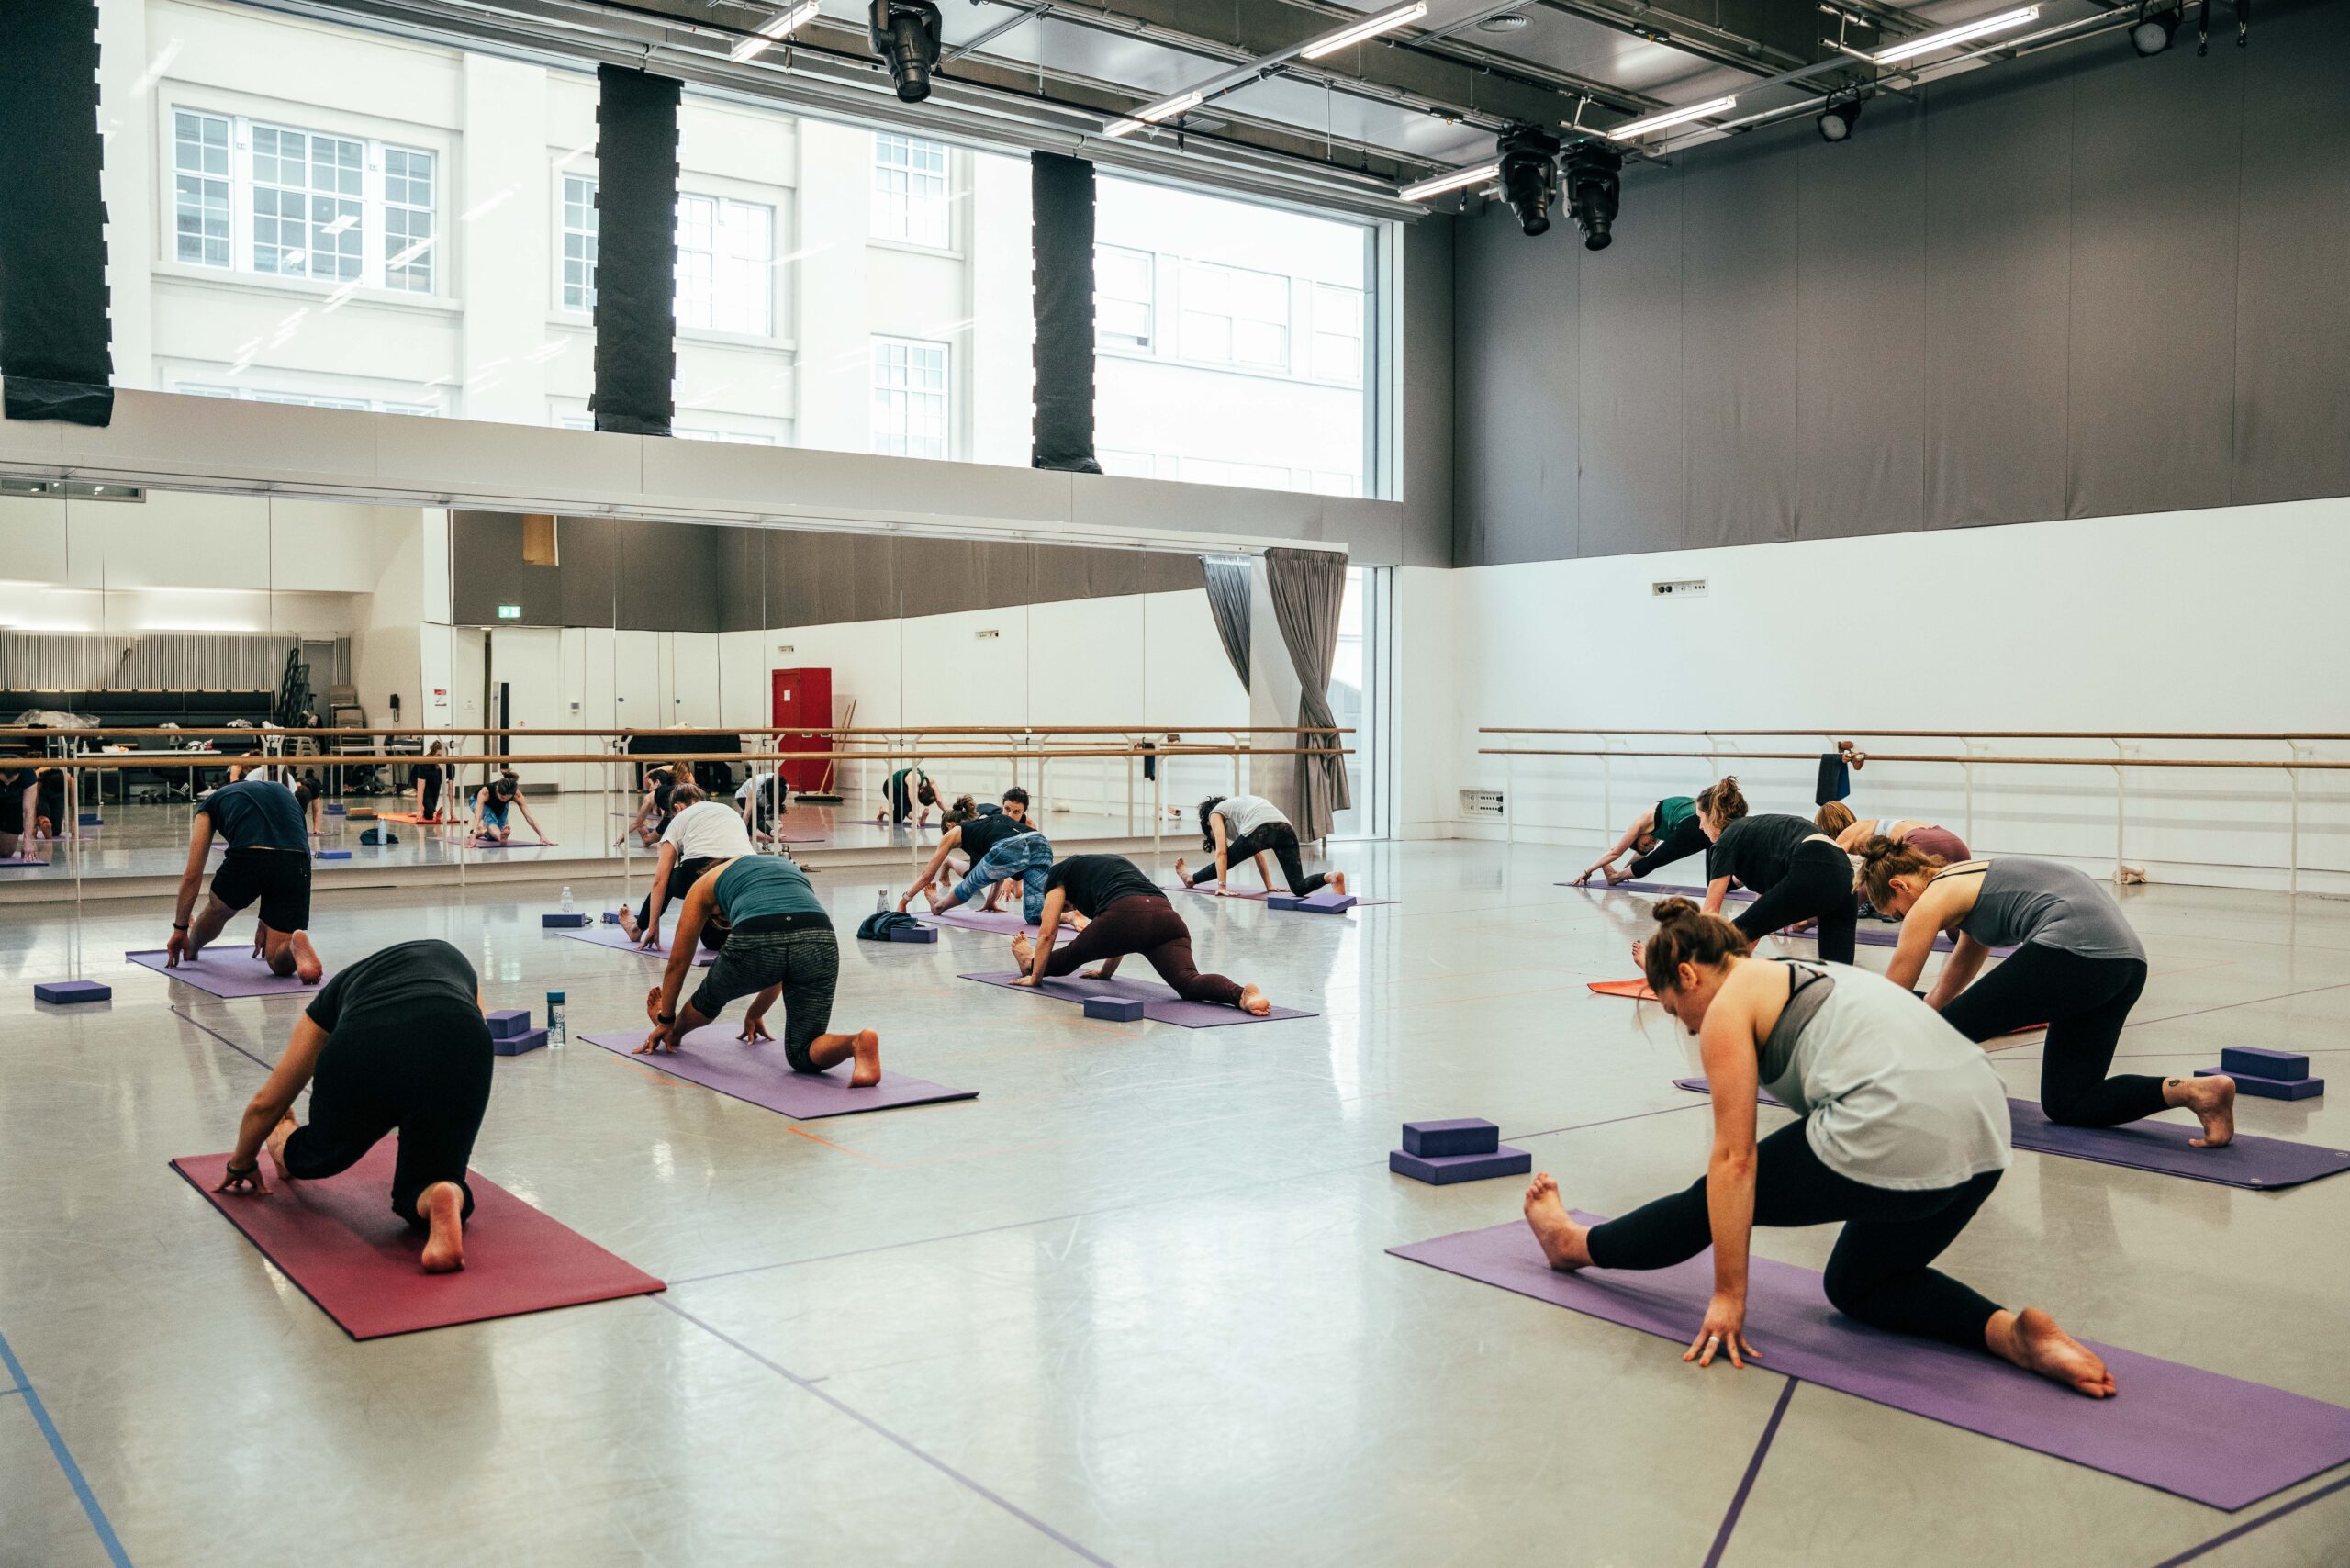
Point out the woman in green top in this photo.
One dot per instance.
(1666, 832)
(908, 787)
(775, 939)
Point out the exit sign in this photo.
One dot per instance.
(510, 612)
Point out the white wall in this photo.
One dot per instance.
(2203, 621)
(1426, 698)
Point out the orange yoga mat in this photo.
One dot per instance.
(1637, 990)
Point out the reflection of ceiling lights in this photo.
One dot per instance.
(783, 23)
(1151, 113)
(1982, 26)
(1637, 128)
(1369, 28)
(1439, 184)
(1510, 22)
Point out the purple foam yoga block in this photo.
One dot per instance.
(334, 854)
(337, 809)
(1444, 1170)
(1116, 1009)
(1282, 900)
(64, 992)
(2260, 1063)
(2261, 1087)
(515, 1045)
(1328, 902)
(1462, 1135)
(558, 918)
(508, 1022)
(611, 917)
(914, 934)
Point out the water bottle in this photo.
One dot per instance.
(566, 898)
(881, 901)
(557, 1035)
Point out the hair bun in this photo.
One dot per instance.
(1673, 911)
(1877, 849)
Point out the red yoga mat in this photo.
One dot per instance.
(339, 1242)
(1637, 990)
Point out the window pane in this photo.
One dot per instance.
(407, 220)
(910, 398)
(910, 198)
(578, 244)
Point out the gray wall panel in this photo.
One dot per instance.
(1738, 354)
(1632, 480)
(1517, 447)
(670, 576)
(1424, 415)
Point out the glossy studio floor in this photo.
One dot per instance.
(1130, 1306)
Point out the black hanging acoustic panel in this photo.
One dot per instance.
(1062, 193)
(55, 352)
(636, 250)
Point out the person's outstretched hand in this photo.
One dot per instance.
(244, 1181)
(754, 1029)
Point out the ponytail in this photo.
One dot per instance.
(1686, 934)
(1881, 860)
(1720, 802)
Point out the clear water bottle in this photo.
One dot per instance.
(557, 1035)
(566, 898)
(881, 901)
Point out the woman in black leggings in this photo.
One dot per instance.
(1797, 871)
(1902, 1135)
(2077, 967)
(1240, 828)
(1124, 911)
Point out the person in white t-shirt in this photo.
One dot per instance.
(701, 833)
(760, 800)
(1240, 828)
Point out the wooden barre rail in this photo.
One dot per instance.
(2312, 765)
(1945, 734)
(146, 759)
(60, 732)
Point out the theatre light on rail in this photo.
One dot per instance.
(1633, 129)
(782, 25)
(1965, 32)
(1151, 113)
(1370, 28)
(1437, 185)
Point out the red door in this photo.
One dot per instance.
(803, 710)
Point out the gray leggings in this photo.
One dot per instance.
(805, 961)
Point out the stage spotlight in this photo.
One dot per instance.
(2152, 32)
(1837, 120)
(905, 33)
(1594, 190)
(1529, 160)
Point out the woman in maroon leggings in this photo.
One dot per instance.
(1124, 911)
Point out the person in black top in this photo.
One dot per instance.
(425, 778)
(19, 810)
(309, 794)
(396, 1041)
(652, 813)
(59, 803)
(1124, 911)
(976, 833)
(1797, 871)
(268, 860)
(491, 804)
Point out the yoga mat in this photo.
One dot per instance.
(1161, 1005)
(412, 818)
(1637, 990)
(612, 936)
(511, 844)
(1740, 895)
(1004, 922)
(339, 1241)
(1699, 1086)
(1208, 890)
(2196, 1434)
(20, 860)
(714, 1059)
(2262, 1164)
(229, 969)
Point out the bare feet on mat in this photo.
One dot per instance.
(1182, 873)
(2213, 1100)
(1255, 1001)
(1638, 948)
(276, 1144)
(868, 1047)
(938, 902)
(1564, 1243)
(306, 959)
(1024, 952)
(442, 1207)
(1337, 883)
(628, 922)
(2031, 1340)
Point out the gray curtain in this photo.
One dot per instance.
(1228, 601)
(1308, 586)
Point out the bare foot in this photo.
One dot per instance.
(1337, 881)
(869, 1061)
(910, 898)
(628, 922)
(1254, 1000)
(938, 902)
(1182, 873)
(2031, 1340)
(1564, 1243)
(2213, 1100)
(1024, 952)
(442, 1205)
(276, 1146)
(306, 958)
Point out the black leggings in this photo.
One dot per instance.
(427, 1075)
(1878, 1271)
(682, 877)
(2083, 1001)
(1277, 839)
(431, 799)
(1818, 885)
(1141, 923)
(1683, 842)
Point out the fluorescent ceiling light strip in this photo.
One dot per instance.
(1151, 113)
(1631, 128)
(1386, 21)
(1910, 48)
(783, 23)
(1439, 184)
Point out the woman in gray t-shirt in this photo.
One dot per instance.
(2076, 966)
(1240, 828)
(1902, 1137)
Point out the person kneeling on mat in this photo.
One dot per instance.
(395, 1042)
(1124, 911)
(1666, 832)
(268, 860)
(774, 939)
(2077, 967)
(1248, 827)
(1903, 1135)
(1003, 848)
(424, 777)
(702, 835)
(1853, 834)
(1797, 871)
(491, 804)
(20, 811)
(908, 787)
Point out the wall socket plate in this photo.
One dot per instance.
(1684, 588)
(985, 633)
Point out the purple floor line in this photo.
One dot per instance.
(868, 1423)
(2245, 1529)
(1754, 1469)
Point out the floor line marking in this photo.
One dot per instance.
(2216, 1541)
(73, 1477)
(808, 1386)
(1754, 1469)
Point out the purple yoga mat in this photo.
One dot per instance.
(20, 860)
(714, 1059)
(1003, 922)
(612, 936)
(1161, 1005)
(1740, 895)
(511, 844)
(228, 967)
(1203, 888)
(2197, 1434)
(2260, 1164)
